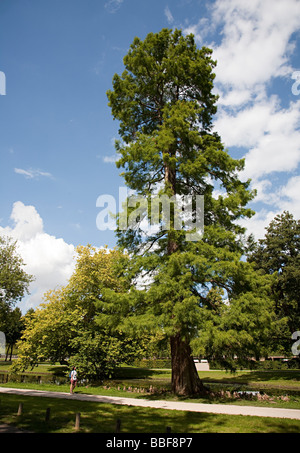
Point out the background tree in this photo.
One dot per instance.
(49, 330)
(14, 284)
(278, 254)
(78, 325)
(14, 281)
(12, 325)
(236, 332)
(164, 104)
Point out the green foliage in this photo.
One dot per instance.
(48, 331)
(12, 324)
(201, 290)
(164, 103)
(14, 281)
(156, 75)
(79, 324)
(278, 255)
(96, 354)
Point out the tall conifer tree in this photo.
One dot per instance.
(164, 103)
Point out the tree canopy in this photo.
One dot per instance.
(14, 281)
(76, 324)
(164, 103)
(14, 284)
(278, 254)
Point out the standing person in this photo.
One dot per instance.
(73, 379)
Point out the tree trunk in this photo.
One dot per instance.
(11, 352)
(185, 379)
(9, 348)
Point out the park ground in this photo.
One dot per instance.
(272, 389)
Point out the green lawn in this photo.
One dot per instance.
(289, 379)
(292, 403)
(279, 378)
(274, 383)
(101, 418)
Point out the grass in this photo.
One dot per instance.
(292, 403)
(40, 368)
(279, 382)
(101, 418)
(285, 379)
(289, 379)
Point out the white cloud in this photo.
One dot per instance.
(258, 223)
(51, 260)
(289, 196)
(32, 173)
(27, 222)
(256, 40)
(255, 45)
(111, 159)
(245, 127)
(285, 198)
(270, 133)
(112, 6)
(169, 15)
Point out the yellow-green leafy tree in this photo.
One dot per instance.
(76, 324)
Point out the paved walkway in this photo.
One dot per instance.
(173, 405)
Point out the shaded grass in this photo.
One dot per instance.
(101, 418)
(283, 378)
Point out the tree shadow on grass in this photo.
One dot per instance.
(138, 373)
(102, 417)
(58, 371)
(257, 376)
(287, 375)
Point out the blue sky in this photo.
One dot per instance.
(57, 132)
